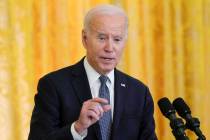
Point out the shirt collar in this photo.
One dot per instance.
(93, 75)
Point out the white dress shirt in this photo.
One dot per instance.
(94, 83)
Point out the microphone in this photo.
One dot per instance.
(185, 112)
(176, 124)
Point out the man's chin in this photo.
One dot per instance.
(107, 70)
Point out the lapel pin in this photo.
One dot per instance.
(123, 85)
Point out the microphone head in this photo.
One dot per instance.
(166, 107)
(181, 107)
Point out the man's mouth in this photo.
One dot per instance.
(107, 58)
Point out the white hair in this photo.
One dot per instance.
(104, 10)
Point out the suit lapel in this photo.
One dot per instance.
(119, 97)
(82, 88)
(80, 82)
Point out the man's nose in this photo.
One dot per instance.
(109, 46)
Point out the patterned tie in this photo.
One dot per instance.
(106, 120)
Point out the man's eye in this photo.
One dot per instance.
(101, 38)
(117, 39)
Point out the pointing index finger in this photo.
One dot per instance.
(100, 100)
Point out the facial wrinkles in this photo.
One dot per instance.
(108, 28)
(113, 30)
(105, 25)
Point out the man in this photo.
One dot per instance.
(92, 100)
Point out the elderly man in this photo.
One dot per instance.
(92, 100)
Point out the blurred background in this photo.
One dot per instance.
(168, 49)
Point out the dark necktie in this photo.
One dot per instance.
(105, 121)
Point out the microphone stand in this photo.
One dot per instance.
(178, 128)
(194, 124)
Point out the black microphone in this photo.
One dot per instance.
(185, 112)
(176, 124)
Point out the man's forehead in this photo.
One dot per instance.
(112, 31)
(104, 20)
(104, 28)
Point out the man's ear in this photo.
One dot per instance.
(84, 38)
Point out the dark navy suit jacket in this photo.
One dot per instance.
(61, 95)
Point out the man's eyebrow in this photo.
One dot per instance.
(117, 35)
(101, 34)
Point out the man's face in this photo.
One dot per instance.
(104, 41)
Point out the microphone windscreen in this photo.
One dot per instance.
(166, 107)
(181, 107)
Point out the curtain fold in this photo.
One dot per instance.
(168, 48)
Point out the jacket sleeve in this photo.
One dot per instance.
(45, 120)
(147, 131)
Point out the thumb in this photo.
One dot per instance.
(106, 108)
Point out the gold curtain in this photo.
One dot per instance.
(168, 49)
